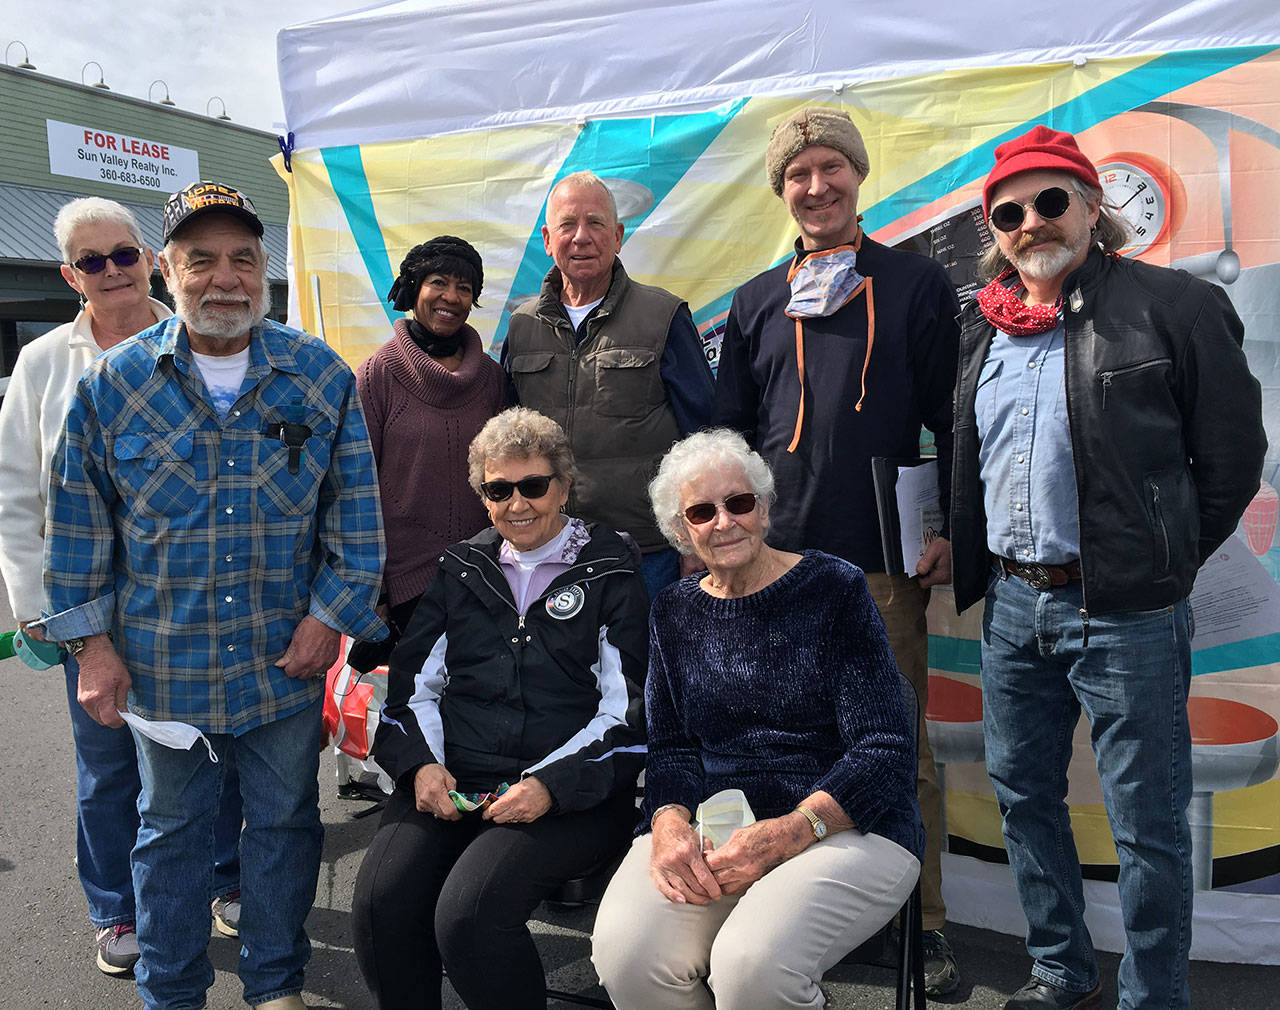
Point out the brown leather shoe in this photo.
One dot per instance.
(1040, 995)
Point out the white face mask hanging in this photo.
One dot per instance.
(824, 283)
(178, 735)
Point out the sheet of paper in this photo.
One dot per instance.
(1234, 598)
(919, 512)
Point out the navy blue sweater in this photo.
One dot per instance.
(786, 691)
(826, 495)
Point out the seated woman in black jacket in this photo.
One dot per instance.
(514, 730)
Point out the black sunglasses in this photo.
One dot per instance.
(1049, 203)
(95, 263)
(529, 487)
(735, 505)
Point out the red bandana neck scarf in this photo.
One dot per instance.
(1009, 314)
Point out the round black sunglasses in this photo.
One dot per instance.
(1050, 204)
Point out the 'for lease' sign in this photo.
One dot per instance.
(84, 152)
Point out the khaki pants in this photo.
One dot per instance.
(902, 604)
(768, 947)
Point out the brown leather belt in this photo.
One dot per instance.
(1040, 577)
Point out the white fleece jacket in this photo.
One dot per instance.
(31, 419)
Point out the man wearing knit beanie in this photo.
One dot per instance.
(1108, 436)
(837, 355)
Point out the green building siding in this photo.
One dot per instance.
(33, 296)
(231, 154)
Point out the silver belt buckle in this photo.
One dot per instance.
(1037, 576)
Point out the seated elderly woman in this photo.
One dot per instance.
(513, 728)
(770, 674)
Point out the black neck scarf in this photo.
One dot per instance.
(434, 344)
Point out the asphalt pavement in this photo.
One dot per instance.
(46, 955)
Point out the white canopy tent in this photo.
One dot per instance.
(416, 68)
(411, 119)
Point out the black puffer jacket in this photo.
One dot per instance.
(493, 696)
(1166, 433)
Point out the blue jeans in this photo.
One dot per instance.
(279, 859)
(107, 816)
(1131, 678)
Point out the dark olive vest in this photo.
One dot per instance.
(606, 392)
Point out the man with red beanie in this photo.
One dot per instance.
(1108, 436)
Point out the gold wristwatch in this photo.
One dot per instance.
(818, 825)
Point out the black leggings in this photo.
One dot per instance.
(461, 892)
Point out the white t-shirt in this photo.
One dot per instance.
(577, 313)
(223, 375)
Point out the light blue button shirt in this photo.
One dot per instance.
(1028, 475)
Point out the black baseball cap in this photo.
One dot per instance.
(203, 197)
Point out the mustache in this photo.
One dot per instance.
(1031, 238)
(224, 299)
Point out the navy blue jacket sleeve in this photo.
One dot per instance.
(737, 398)
(686, 375)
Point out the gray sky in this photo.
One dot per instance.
(199, 48)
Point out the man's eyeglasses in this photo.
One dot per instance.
(95, 263)
(735, 505)
(529, 487)
(1049, 203)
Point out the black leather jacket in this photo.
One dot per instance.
(1166, 433)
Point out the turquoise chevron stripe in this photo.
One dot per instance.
(654, 151)
(1236, 655)
(955, 655)
(713, 308)
(1153, 79)
(963, 655)
(351, 187)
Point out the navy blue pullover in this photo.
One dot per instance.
(786, 691)
(826, 497)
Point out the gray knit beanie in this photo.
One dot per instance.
(807, 128)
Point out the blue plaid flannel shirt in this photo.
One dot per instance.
(194, 540)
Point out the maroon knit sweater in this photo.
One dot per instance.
(422, 418)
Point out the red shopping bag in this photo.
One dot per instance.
(352, 701)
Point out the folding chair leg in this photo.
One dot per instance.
(911, 955)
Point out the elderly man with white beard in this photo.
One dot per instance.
(213, 527)
(1108, 436)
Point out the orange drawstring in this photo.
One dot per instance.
(871, 342)
(795, 439)
(866, 361)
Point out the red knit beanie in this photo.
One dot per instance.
(1039, 147)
